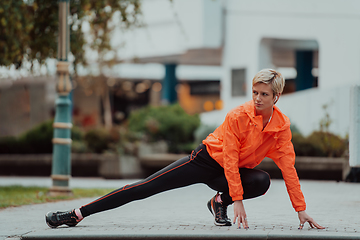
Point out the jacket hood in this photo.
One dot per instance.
(278, 122)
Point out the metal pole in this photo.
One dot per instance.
(61, 162)
(354, 135)
(169, 94)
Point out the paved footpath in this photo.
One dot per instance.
(182, 214)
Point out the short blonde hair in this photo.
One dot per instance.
(270, 76)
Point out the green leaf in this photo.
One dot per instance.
(3, 22)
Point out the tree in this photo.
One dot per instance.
(29, 30)
(102, 22)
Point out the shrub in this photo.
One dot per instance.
(79, 147)
(37, 140)
(331, 144)
(97, 140)
(319, 144)
(303, 147)
(76, 134)
(170, 123)
(9, 145)
(127, 144)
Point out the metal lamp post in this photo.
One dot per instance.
(61, 162)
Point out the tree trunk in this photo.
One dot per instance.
(107, 108)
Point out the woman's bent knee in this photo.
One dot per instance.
(262, 182)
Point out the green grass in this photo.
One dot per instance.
(12, 196)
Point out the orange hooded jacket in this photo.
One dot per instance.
(241, 142)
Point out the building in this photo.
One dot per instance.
(314, 44)
(25, 103)
(213, 48)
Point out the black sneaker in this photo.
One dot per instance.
(55, 219)
(219, 211)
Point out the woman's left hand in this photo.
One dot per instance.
(304, 217)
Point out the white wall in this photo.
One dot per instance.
(172, 28)
(212, 23)
(334, 25)
(305, 109)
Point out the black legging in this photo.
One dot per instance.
(198, 167)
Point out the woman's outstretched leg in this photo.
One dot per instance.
(178, 174)
(184, 172)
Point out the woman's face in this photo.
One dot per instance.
(263, 97)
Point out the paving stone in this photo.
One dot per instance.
(182, 213)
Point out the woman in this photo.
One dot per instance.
(224, 161)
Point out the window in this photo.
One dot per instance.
(238, 82)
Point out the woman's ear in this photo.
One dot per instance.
(276, 98)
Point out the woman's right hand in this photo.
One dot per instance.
(240, 214)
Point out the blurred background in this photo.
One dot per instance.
(152, 78)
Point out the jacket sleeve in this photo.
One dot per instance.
(284, 157)
(231, 147)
